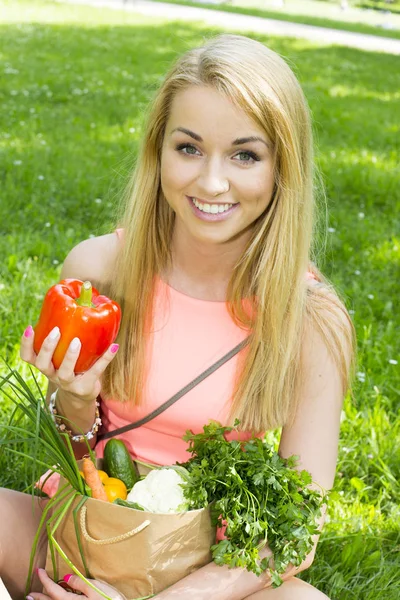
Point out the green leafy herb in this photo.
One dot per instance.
(260, 497)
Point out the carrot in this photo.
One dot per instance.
(93, 480)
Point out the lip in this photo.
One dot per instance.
(210, 216)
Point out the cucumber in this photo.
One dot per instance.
(118, 463)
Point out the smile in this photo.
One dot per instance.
(211, 208)
(216, 211)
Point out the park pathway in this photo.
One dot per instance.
(247, 23)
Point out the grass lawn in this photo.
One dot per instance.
(306, 12)
(378, 5)
(75, 83)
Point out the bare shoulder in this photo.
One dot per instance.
(93, 259)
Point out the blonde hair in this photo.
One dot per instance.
(273, 267)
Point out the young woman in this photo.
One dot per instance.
(214, 246)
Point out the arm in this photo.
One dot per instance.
(313, 436)
(92, 260)
(80, 413)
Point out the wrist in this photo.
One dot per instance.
(87, 425)
(65, 398)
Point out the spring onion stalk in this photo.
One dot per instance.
(78, 533)
(60, 459)
(60, 495)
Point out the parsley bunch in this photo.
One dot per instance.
(258, 495)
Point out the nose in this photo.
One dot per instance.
(212, 180)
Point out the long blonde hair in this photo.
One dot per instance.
(273, 267)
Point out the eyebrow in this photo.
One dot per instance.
(237, 142)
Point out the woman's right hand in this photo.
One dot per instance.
(86, 386)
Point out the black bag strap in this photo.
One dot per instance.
(182, 392)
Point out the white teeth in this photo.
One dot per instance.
(213, 208)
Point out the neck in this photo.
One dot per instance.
(203, 270)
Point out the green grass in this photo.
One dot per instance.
(75, 82)
(259, 8)
(376, 5)
(380, 5)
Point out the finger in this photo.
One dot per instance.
(51, 589)
(77, 584)
(102, 363)
(66, 373)
(91, 379)
(26, 351)
(38, 596)
(45, 355)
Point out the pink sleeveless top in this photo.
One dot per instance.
(188, 336)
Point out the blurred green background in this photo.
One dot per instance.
(74, 85)
(372, 17)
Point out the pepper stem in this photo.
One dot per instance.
(85, 299)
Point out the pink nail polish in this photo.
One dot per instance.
(29, 598)
(66, 578)
(114, 348)
(28, 331)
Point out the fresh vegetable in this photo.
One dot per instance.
(161, 491)
(93, 480)
(115, 488)
(103, 476)
(259, 496)
(45, 446)
(128, 504)
(118, 463)
(79, 311)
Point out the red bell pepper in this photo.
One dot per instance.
(79, 311)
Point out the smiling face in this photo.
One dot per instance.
(217, 180)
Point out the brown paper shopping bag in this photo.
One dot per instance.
(137, 552)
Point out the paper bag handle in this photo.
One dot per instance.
(112, 540)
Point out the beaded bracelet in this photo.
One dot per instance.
(63, 428)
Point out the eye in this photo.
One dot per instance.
(251, 156)
(191, 150)
(186, 146)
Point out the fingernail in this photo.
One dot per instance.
(28, 331)
(114, 348)
(54, 333)
(66, 578)
(29, 598)
(74, 345)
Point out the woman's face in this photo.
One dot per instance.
(217, 180)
